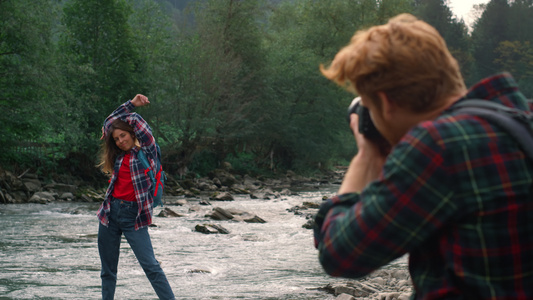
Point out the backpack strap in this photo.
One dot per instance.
(517, 123)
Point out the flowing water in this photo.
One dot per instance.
(50, 252)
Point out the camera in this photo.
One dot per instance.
(366, 126)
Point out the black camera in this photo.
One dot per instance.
(366, 127)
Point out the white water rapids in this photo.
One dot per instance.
(50, 252)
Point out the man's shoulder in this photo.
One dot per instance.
(449, 128)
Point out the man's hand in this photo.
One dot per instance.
(140, 100)
(366, 165)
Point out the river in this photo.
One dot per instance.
(50, 252)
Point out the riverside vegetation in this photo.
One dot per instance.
(228, 80)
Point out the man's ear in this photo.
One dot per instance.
(388, 107)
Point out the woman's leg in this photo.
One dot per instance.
(109, 249)
(141, 245)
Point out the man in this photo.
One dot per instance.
(455, 190)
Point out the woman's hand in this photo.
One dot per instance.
(140, 100)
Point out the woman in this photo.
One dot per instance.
(128, 204)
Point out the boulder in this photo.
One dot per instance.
(13, 182)
(254, 219)
(32, 185)
(16, 197)
(239, 189)
(206, 185)
(61, 188)
(68, 196)
(286, 192)
(250, 183)
(211, 229)
(311, 205)
(204, 202)
(309, 224)
(224, 177)
(91, 195)
(224, 196)
(270, 194)
(42, 197)
(221, 214)
(168, 213)
(345, 297)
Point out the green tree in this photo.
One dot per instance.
(517, 57)
(217, 80)
(30, 80)
(304, 118)
(489, 31)
(454, 31)
(100, 58)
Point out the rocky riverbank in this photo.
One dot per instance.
(220, 185)
(390, 283)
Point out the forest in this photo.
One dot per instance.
(233, 81)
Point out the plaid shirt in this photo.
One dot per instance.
(141, 182)
(456, 194)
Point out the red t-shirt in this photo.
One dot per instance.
(123, 188)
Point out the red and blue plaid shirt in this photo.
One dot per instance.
(456, 194)
(141, 182)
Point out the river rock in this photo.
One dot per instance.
(211, 229)
(250, 183)
(224, 196)
(309, 224)
(269, 194)
(168, 213)
(32, 185)
(17, 197)
(91, 195)
(311, 204)
(61, 188)
(42, 197)
(254, 219)
(221, 214)
(224, 177)
(392, 296)
(239, 189)
(345, 297)
(207, 185)
(13, 182)
(67, 196)
(286, 192)
(204, 202)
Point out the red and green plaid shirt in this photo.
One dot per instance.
(141, 182)
(456, 194)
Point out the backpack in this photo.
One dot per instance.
(517, 123)
(157, 177)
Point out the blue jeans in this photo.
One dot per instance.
(121, 220)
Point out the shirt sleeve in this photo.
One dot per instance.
(142, 130)
(358, 233)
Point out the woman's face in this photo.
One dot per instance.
(123, 139)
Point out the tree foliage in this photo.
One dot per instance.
(228, 79)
